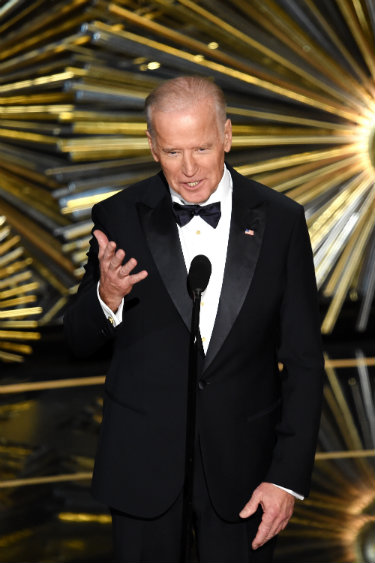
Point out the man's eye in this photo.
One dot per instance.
(202, 149)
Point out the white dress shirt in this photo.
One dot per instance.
(198, 237)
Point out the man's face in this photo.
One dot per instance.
(190, 146)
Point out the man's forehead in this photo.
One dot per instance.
(186, 124)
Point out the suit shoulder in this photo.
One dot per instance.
(264, 194)
(275, 198)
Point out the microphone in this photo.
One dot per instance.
(199, 274)
(197, 281)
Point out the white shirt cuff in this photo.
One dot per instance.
(300, 497)
(114, 318)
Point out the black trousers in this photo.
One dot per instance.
(157, 540)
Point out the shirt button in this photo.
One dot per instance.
(197, 232)
(202, 303)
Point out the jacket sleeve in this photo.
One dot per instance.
(303, 368)
(86, 326)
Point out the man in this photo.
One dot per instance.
(256, 426)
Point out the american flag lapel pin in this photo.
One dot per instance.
(249, 232)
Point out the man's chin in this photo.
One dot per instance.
(197, 196)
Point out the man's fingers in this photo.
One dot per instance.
(267, 532)
(115, 258)
(264, 533)
(108, 254)
(268, 528)
(135, 278)
(127, 268)
(102, 241)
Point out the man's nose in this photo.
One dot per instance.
(189, 165)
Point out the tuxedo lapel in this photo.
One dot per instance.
(162, 237)
(245, 240)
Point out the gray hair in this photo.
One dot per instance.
(183, 92)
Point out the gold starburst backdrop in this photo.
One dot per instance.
(18, 293)
(299, 78)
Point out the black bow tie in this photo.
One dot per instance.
(210, 213)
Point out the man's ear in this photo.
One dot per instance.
(151, 145)
(227, 135)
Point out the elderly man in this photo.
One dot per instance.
(256, 426)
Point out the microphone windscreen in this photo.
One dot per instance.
(199, 273)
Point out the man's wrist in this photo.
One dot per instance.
(112, 304)
(114, 317)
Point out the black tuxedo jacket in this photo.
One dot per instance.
(255, 424)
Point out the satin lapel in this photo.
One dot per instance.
(242, 256)
(162, 237)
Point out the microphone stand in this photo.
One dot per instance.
(187, 514)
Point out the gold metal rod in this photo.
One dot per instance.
(53, 384)
(14, 347)
(10, 357)
(25, 288)
(18, 324)
(18, 301)
(284, 118)
(319, 456)
(265, 140)
(24, 312)
(13, 268)
(11, 256)
(86, 202)
(83, 476)
(7, 245)
(58, 78)
(60, 303)
(14, 335)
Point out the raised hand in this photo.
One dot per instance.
(116, 279)
(277, 506)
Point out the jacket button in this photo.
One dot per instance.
(202, 384)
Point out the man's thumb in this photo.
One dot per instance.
(250, 507)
